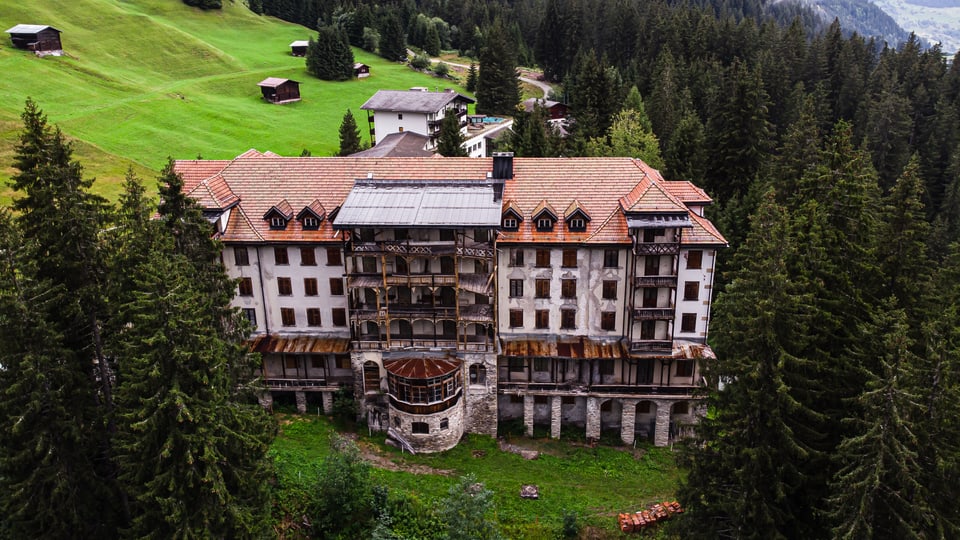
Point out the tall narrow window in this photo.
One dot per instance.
(516, 257)
(569, 258)
(516, 288)
(516, 318)
(543, 288)
(251, 315)
(240, 256)
(688, 322)
(313, 317)
(336, 286)
(609, 289)
(543, 258)
(542, 319)
(568, 288)
(691, 290)
(310, 286)
(287, 317)
(608, 320)
(611, 258)
(568, 319)
(280, 256)
(339, 317)
(694, 259)
(333, 256)
(284, 288)
(684, 368)
(246, 287)
(308, 257)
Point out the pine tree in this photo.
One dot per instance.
(466, 511)
(192, 438)
(877, 493)
(349, 135)
(628, 137)
(745, 478)
(498, 85)
(471, 84)
(595, 95)
(393, 47)
(528, 136)
(685, 155)
(329, 57)
(450, 142)
(344, 504)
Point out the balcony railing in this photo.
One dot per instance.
(566, 388)
(655, 281)
(651, 346)
(472, 345)
(429, 408)
(293, 384)
(426, 248)
(657, 248)
(653, 314)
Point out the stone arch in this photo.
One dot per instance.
(371, 377)
(646, 419)
(611, 412)
(448, 329)
(680, 419)
(404, 329)
(370, 329)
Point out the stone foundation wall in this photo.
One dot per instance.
(480, 399)
(437, 440)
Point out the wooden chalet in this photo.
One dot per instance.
(299, 48)
(361, 70)
(555, 109)
(276, 90)
(38, 38)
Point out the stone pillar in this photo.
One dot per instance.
(628, 420)
(266, 400)
(593, 418)
(556, 406)
(301, 402)
(327, 403)
(528, 414)
(661, 434)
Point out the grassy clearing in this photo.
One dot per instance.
(596, 483)
(150, 79)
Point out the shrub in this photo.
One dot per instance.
(420, 62)
(441, 69)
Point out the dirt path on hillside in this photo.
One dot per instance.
(375, 457)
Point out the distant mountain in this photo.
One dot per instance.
(860, 16)
(937, 21)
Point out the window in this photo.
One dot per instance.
(606, 406)
(516, 399)
(240, 256)
(444, 424)
(251, 315)
(290, 362)
(650, 235)
(516, 318)
(311, 223)
(643, 407)
(681, 408)
(650, 296)
(688, 322)
(691, 290)
(400, 117)
(568, 400)
(401, 234)
(539, 400)
(609, 289)
(695, 259)
(684, 368)
(543, 288)
(611, 258)
(568, 319)
(339, 317)
(343, 362)
(310, 286)
(420, 427)
(568, 288)
(516, 365)
(648, 329)
(510, 223)
(447, 235)
(278, 222)
(543, 258)
(651, 265)
(516, 257)
(316, 362)
(544, 224)
(516, 288)
(333, 257)
(577, 224)
(608, 320)
(313, 316)
(541, 364)
(246, 287)
(280, 255)
(606, 367)
(287, 317)
(336, 286)
(542, 319)
(478, 374)
(284, 288)
(396, 421)
(569, 258)
(308, 257)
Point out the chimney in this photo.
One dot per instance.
(503, 165)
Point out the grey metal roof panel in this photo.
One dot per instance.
(29, 28)
(656, 221)
(404, 204)
(411, 101)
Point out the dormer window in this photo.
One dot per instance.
(512, 216)
(544, 224)
(311, 216)
(544, 216)
(576, 217)
(311, 223)
(278, 215)
(510, 223)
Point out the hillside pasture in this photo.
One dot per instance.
(146, 80)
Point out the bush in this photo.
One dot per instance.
(420, 62)
(570, 527)
(371, 39)
(441, 69)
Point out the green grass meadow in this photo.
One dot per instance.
(143, 80)
(596, 483)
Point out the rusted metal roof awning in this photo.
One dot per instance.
(690, 350)
(421, 368)
(299, 344)
(580, 348)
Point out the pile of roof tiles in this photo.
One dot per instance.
(637, 521)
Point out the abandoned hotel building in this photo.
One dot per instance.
(455, 293)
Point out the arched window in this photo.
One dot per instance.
(478, 374)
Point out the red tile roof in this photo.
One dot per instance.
(601, 187)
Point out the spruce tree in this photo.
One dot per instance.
(349, 135)
(393, 47)
(528, 136)
(745, 478)
(192, 438)
(471, 84)
(498, 85)
(685, 155)
(628, 137)
(329, 57)
(450, 141)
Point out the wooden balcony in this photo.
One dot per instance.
(653, 314)
(657, 248)
(653, 346)
(655, 281)
(483, 250)
(568, 388)
(315, 384)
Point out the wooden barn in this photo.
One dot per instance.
(299, 48)
(361, 70)
(276, 90)
(38, 38)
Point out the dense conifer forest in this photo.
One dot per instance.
(834, 165)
